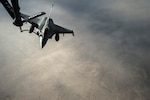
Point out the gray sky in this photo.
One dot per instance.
(107, 59)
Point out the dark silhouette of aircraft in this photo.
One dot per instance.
(17, 20)
(14, 12)
(46, 28)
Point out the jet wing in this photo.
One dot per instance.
(62, 30)
(32, 19)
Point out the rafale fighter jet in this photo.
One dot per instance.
(14, 12)
(46, 28)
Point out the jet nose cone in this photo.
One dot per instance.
(41, 42)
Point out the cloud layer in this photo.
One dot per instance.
(107, 59)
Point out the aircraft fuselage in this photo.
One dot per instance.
(45, 30)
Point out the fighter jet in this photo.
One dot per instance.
(14, 12)
(46, 28)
